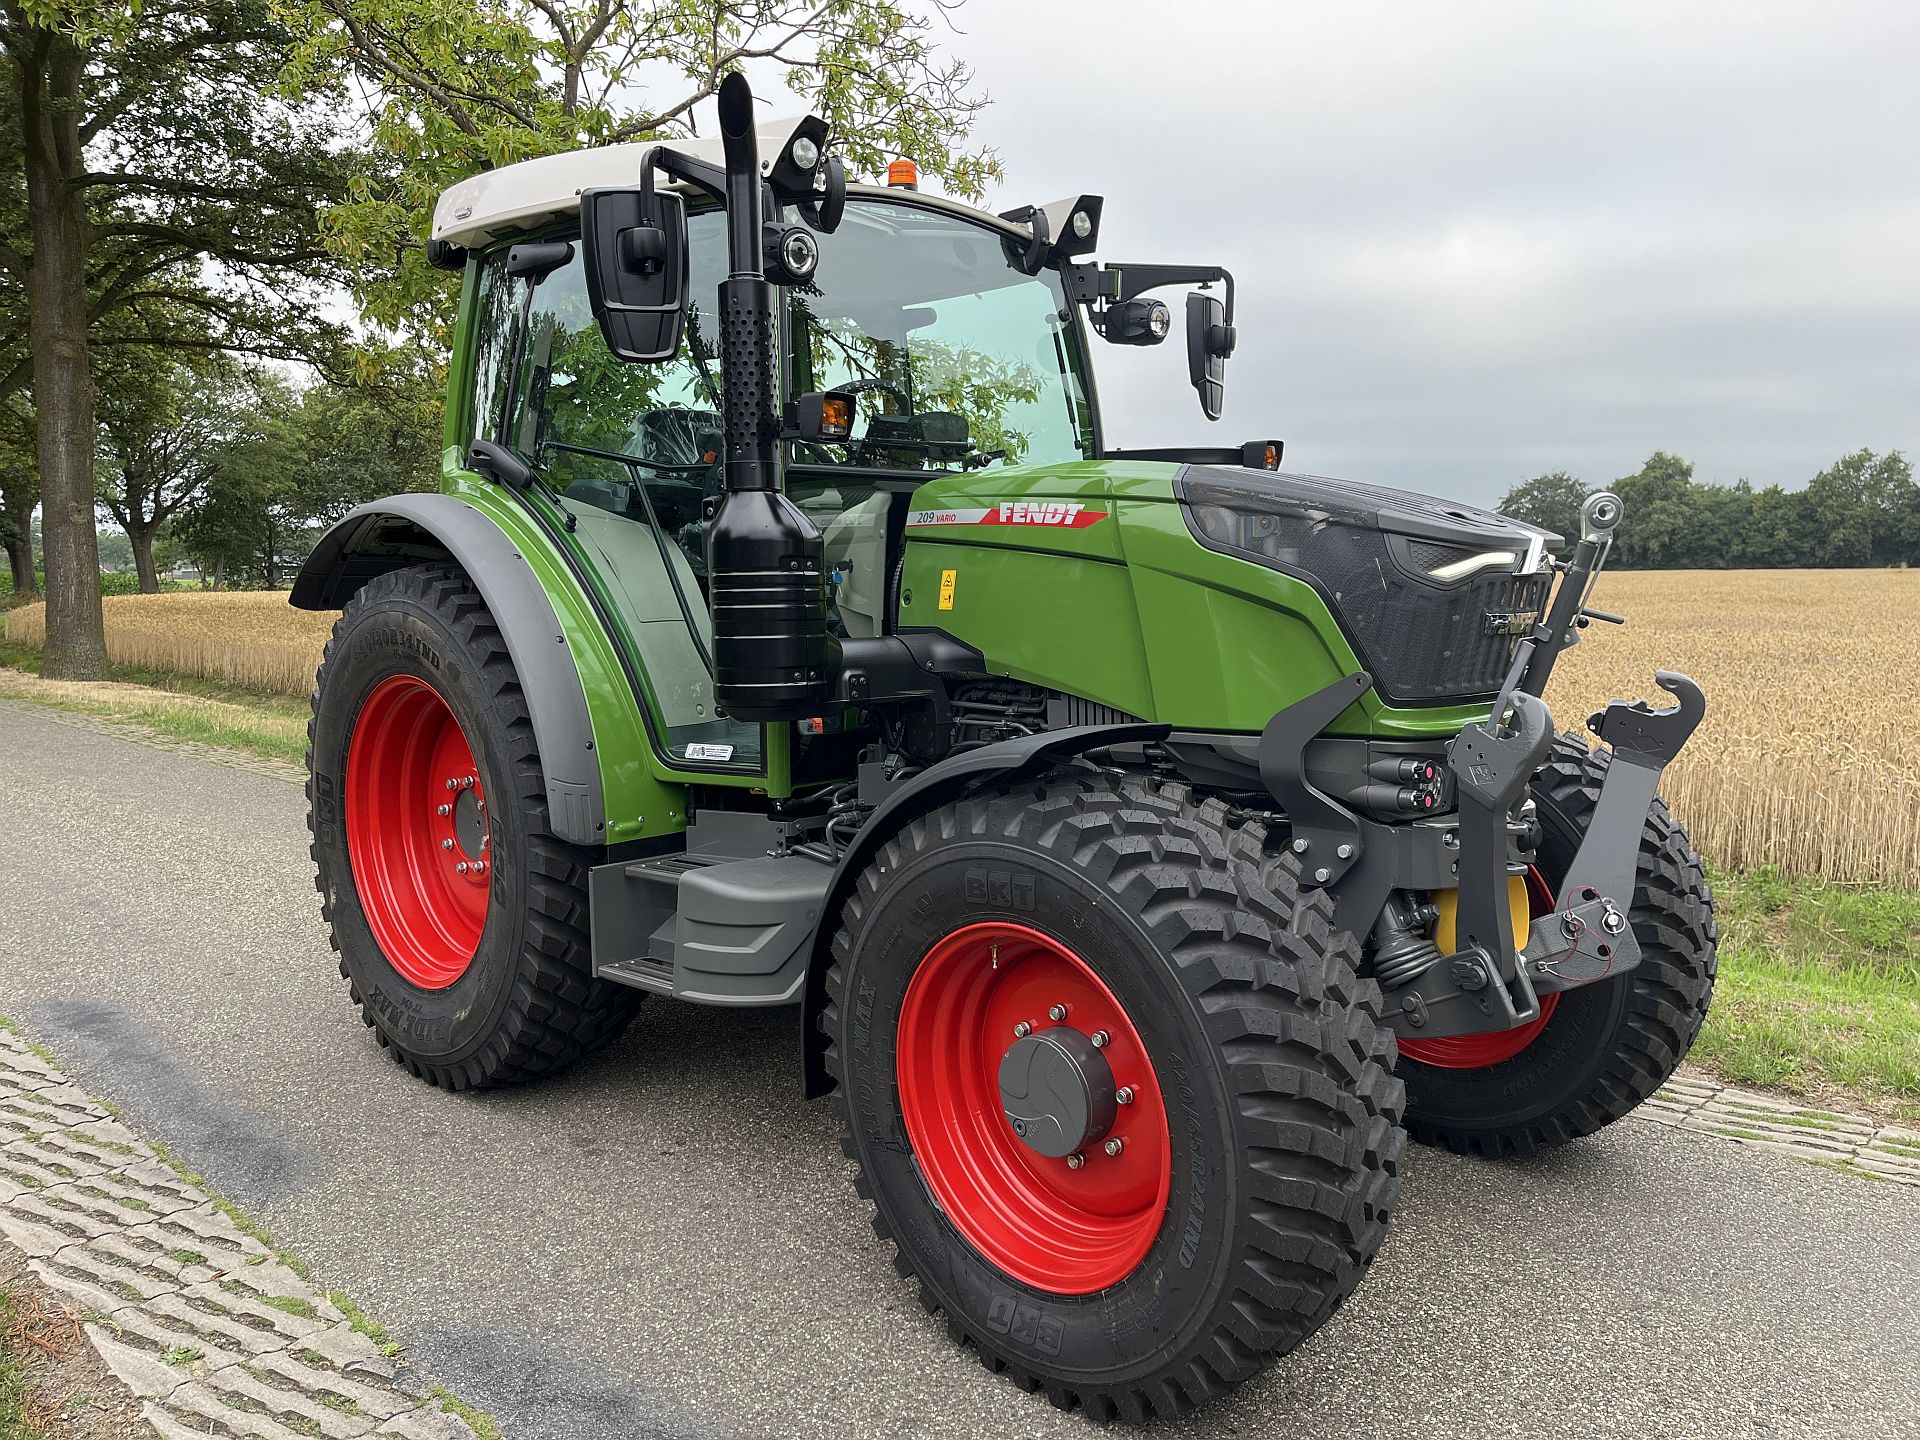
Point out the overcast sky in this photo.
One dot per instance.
(1474, 242)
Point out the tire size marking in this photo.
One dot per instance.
(1192, 1234)
(401, 640)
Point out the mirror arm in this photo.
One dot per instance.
(710, 180)
(1089, 282)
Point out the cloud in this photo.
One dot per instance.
(1475, 241)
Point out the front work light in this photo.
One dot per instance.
(1136, 322)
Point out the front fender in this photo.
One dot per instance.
(410, 529)
(1004, 759)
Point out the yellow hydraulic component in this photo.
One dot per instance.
(1447, 902)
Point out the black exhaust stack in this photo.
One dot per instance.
(766, 562)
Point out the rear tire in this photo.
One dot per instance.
(1607, 1046)
(1238, 1005)
(468, 982)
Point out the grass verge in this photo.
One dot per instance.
(179, 707)
(1819, 992)
(15, 1387)
(16, 1379)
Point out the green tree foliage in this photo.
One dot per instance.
(1861, 507)
(459, 87)
(1659, 504)
(170, 200)
(19, 495)
(1551, 501)
(297, 462)
(1864, 509)
(163, 428)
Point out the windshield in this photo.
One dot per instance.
(955, 356)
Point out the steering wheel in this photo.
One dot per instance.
(861, 387)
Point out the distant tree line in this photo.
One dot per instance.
(231, 467)
(1862, 510)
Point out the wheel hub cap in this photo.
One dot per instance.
(1032, 1108)
(1057, 1091)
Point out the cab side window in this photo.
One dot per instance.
(630, 451)
(496, 311)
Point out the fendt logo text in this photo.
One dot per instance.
(1064, 514)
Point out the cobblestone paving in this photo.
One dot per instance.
(205, 1323)
(281, 770)
(1846, 1142)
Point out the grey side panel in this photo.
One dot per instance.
(403, 529)
(746, 928)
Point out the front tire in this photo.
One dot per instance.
(1260, 1149)
(459, 918)
(1604, 1047)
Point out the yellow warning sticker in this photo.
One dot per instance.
(946, 588)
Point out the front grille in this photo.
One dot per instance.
(1423, 645)
(1424, 641)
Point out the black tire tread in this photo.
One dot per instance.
(1295, 1027)
(557, 1011)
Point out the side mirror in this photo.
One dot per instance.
(821, 415)
(1209, 343)
(636, 263)
(946, 434)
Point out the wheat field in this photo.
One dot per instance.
(243, 637)
(1809, 758)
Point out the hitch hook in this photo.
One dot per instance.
(1653, 736)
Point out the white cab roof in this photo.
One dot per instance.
(498, 204)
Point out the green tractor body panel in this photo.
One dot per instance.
(1085, 578)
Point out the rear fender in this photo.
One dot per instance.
(410, 529)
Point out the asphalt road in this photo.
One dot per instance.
(666, 1243)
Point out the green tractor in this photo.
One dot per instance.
(1145, 841)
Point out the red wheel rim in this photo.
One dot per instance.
(417, 832)
(1476, 1052)
(1065, 1230)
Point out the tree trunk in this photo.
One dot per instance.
(20, 562)
(220, 570)
(20, 546)
(140, 537)
(63, 397)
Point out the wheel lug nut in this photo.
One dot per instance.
(1076, 1160)
(1021, 1030)
(453, 784)
(1115, 1145)
(446, 844)
(1056, 1013)
(461, 867)
(1100, 1038)
(1124, 1095)
(446, 809)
